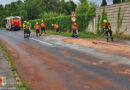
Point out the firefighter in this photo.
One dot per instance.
(56, 27)
(24, 27)
(28, 29)
(43, 27)
(37, 29)
(107, 28)
(75, 30)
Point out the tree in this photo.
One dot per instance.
(83, 7)
(2, 16)
(67, 7)
(119, 1)
(86, 8)
(116, 1)
(22, 10)
(34, 8)
(123, 0)
(104, 3)
(127, 0)
(70, 6)
(63, 6)
(51, 5)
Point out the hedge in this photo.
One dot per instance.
(64, 22)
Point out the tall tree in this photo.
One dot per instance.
(34, 8)
(70, 6)
(83, 7)
(123, 0)
(51, 5)
(86, 8)
(104, 3)
(116, 1)
(2, 16)
(67, 7)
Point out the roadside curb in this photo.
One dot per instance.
(20, 85)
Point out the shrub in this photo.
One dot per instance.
(64, 22)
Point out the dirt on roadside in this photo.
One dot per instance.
(115, 48)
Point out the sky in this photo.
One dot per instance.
(76, 1)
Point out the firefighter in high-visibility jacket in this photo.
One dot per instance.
(28, 29)
(56, 27)
(75, 30)
(24, 28)
(43, 27)
(37, 29)
(107, 28)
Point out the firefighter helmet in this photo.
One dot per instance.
(27, 22)
(36, 22)
(105, 21)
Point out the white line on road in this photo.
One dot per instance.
(45, 43)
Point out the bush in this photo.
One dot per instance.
(46, 15)
(64, 22)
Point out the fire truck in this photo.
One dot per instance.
(13, 23)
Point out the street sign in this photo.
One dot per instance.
(73, 19)
(73, 14)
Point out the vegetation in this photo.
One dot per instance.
(64, 22)
(104, 2)
(86, 8)
(119, 1)
(119, 21)
(116, 1)
(127, 0)
(45, 9)
(98, 24)
(104, 16)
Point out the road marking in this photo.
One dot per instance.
(45, 43)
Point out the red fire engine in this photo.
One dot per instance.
(13, 23)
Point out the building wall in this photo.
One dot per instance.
(112, 15)
(91, 26)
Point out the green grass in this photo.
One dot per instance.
(69, 34)
(2, 28)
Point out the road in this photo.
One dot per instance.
(50, 64)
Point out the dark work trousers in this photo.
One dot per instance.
(43, 30)
(37, 32)
(75, 34)
(25, 33)
(28, 33)
(107, 34)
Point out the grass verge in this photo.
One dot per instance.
(21, 85)
(87, 35)
(69, 34)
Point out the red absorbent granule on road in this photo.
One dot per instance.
(120, 49)
(94, 42)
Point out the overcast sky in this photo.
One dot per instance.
(76, 1)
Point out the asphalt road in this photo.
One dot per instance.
(50, 64)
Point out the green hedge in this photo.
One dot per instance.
(64, 22)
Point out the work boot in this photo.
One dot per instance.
(107, 39)
(24, 36)
(76, 36)
(112, 39)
